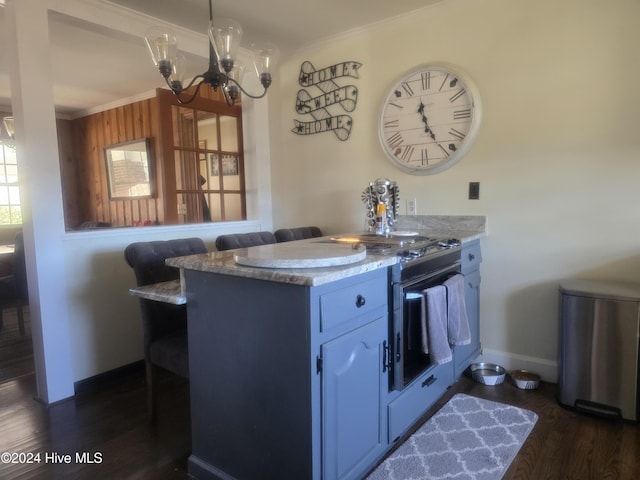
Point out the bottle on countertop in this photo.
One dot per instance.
(382, 228)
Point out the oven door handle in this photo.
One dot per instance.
(454, 268)
(386, 357)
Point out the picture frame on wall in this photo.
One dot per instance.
(129, 170)
(229, 164)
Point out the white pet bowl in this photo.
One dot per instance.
(487, 373)
(525, 380)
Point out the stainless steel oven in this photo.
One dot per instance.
(409, 361)
(424, 262)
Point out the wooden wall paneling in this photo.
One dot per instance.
(137, 205)
(86, 181)
(137, 125)
(95, 155)
(121, 129)
(115, 207)
(83, 187)
(110, 207)
(88, 187)
(145, 127)
(165, 117)
(68, 170)
(151, 120)
(127, 119)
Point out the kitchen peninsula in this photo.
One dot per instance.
(290, 367)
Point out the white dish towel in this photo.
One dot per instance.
(434, 325)
(458, 329)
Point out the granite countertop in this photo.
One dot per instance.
(344, 265)
(225, 263)
(465, 228)
(168, 292)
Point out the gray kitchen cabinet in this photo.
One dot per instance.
(286, 380)
(418, 398)
(353, 386)
(464, 355)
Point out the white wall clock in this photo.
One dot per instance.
(430, 119)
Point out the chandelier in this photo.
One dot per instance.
(224, 71)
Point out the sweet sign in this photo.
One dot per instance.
(326, 101)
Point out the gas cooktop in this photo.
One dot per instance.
(405, 245)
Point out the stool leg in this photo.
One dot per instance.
(152, 403)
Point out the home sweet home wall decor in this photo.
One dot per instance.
(326, 107)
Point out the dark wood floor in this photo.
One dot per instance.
(109, 419)
(16, 350)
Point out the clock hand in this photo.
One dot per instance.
(427, 129)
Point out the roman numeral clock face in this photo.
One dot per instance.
(429, 119)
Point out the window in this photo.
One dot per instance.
(10, 209)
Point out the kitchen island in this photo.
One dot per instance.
(289, 371)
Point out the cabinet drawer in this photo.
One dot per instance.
(343, 305)
(417, 398)
(471, 256)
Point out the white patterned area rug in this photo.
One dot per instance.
(469, 438)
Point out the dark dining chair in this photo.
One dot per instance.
(13, 288)
(243, 240)
(298, 233)
(164, 325)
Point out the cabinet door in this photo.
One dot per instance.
(354, 433)
(465, 354)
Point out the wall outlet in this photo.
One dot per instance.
(182, 209)
(412, 207)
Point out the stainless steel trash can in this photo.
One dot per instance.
(599, 339)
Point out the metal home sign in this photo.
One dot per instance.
(327, 100)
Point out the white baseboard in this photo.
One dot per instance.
(547, 369)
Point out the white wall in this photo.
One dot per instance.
(105, 326)
(557, 155)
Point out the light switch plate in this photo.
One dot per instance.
(474, 190)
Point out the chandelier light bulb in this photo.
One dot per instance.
(163, 47)
(178, 67)
(265, 56)
(235, 79)
(225, 35)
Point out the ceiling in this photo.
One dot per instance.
(116, 66)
